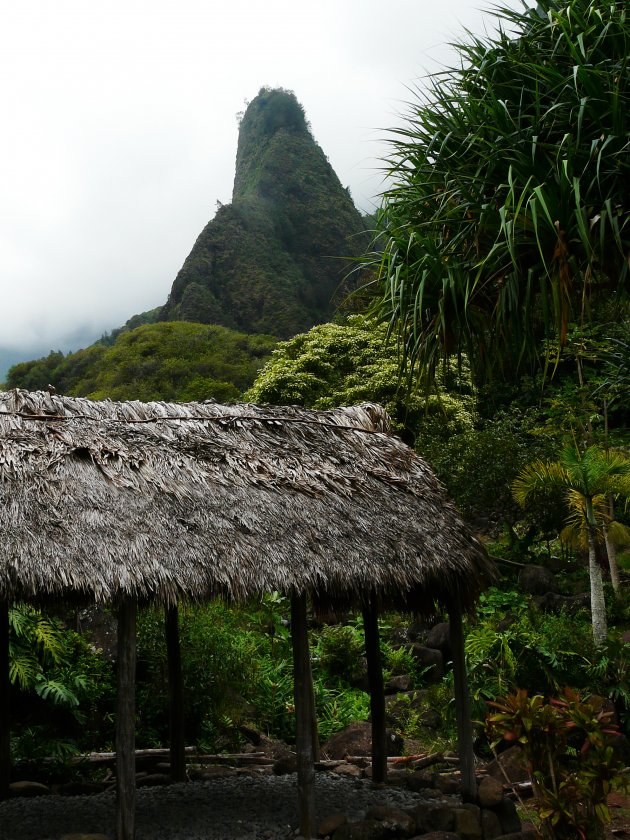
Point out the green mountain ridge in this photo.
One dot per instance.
(274, 260)
(165, 361)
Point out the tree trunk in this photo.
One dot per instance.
(175, 695)
(611, 551)
(126, 722)
(5, 710)
(304, 714)
(598, 602)
(377, 694)
(462, 707)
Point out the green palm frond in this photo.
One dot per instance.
(23, 668)
(510, 181)
(539, 476)
(57, 692)
(590, 475)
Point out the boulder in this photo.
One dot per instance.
(536, 580)
(468, 822)
(26, 788)
(554, 603)
(439, 638)
(362, 830)
(509, 766)
(272, 748)
(489, 792)
(448, 784)
(434, 818)
(508, 816)
(348, 770)
(420, 780)
(490, 825)
(430, 660)
(285, 765)
(356, 739)
(331, 824)
(394, 685)
(398, 821)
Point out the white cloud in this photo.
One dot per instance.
(119, 132)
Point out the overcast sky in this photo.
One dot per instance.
(119, 133)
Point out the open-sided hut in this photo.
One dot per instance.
(132, 502)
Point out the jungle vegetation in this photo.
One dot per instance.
(497, 335)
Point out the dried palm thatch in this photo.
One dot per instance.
(158, 501)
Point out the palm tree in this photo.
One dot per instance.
(586, 477)
(508, 213)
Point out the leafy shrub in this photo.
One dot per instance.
(340, 651)
(217, 669)
(64, 693)
(568, 743)
(336, 708)
(514, 645)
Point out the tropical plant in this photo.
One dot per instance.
(511, 644)
(508, 213)
(568, 744)
(347, 363)
(585, 477)
(38, 649)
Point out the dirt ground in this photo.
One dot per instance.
(619, 827)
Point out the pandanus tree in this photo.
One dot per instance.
(586, 478)
(508, 214)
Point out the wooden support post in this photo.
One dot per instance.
(304, 714)
(175, 695)
(377, 692)
(462, 708)
(126, 722)
(314, 733)
(5, 710)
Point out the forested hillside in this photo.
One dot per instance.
(166, 361)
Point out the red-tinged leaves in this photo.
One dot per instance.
(567, 744)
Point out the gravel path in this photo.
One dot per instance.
(231, 808)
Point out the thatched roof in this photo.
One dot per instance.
(161, 501)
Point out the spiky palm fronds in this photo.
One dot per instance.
(591, 473)
(509, 208)
(575, 532)
(586, 478)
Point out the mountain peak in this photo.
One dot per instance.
(272, 261)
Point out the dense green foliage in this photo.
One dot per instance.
(569, 743)
(273, 260)
(508, 216)
(586, 479)
(62, 691)
(165, 361)
(348, 363)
